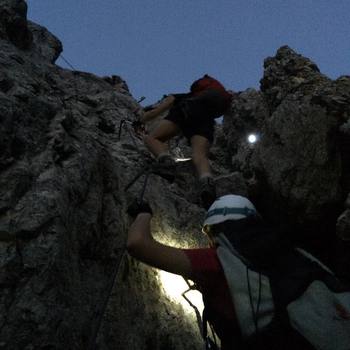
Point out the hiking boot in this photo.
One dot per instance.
(165, 167)
(207, 191)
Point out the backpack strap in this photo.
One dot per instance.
(209, 343)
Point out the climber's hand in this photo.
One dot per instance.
(136, 208)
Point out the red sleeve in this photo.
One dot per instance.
(209, 277)
(204, 263)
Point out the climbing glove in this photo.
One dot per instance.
(136, 208)
(139, 127)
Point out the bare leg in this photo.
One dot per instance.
(200, 150)
(156, 141)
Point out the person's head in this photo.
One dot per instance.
(230, 207)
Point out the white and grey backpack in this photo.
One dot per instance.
(275, 287)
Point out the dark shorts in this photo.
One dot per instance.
(195, 115)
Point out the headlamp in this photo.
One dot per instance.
(252, 138)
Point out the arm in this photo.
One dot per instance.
(163, 106)
(143, 247)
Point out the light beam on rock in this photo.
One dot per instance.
(174, 285)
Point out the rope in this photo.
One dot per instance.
(144, 187)
(101, 311)
(65, 60)
(198, 316)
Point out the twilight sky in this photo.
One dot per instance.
(161, 46)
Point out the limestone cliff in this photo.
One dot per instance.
(65, 279)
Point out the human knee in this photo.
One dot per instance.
(149, 139)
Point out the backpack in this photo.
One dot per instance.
(206, 83)
(278, 289)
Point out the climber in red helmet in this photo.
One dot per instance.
(191, 114)
(259, 291)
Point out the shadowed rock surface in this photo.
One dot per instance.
(63, 172)
(301, 162)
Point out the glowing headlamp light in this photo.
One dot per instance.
(252, 138)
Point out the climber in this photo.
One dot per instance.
(202, 266)
(191, 114)
(199, 265)
(237, 291)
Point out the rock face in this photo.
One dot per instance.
(63, 224)
(300, 165)
(65, 279)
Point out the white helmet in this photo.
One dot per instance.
(229, 207)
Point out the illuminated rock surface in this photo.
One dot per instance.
(63, 171)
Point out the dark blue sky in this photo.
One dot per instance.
(161, 46)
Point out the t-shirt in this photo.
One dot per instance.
(210, 279)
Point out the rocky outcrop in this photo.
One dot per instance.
(44, 43)
(14, 26)
(65, 279)
(62, 209)
(302, 157)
